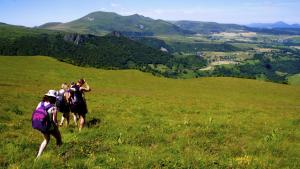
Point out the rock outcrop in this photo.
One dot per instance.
(77, 38)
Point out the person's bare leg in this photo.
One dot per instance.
(56, 134)
(62, 120)
(43, 145)
(75, 118)
(82, 120)
(67, 116)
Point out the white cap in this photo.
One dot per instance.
(51, 93)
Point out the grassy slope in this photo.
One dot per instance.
(151, 122)
(294, 80)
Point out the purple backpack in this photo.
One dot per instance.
(40, 118)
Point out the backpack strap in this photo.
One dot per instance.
(42, 104)
(45, 107)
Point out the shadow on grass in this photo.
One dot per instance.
(93, 122)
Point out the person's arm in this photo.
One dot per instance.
(54, 115)
(85, 88)
(67, 96)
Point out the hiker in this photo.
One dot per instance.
(62, 103)
(71, 92)
(50, 127)
(78, 103)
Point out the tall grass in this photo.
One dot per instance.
(142, 121)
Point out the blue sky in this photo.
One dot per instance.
(37, 12)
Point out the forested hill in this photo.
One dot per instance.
(85, 50)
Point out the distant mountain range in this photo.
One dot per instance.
(209, 27)
(101, 23)
(279, 24)
(104, 22)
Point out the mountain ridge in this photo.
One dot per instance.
(279, 24)
(208, 27)
(103, 22)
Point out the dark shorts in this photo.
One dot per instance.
(65, 108)
(66, 115)
(54, 131)
(79, 108)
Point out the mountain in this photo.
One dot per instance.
(99, 23)
(208, 27)
(213, 27)
(102, 23)
(109, 51)
(279, 24)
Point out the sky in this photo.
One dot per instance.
(36, 12)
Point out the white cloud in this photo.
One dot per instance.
(114, 5)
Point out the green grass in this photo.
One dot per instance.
(294, 80)
(151, 122)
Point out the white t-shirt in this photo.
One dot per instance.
(50, 111)
(61, 91)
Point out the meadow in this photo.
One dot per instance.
(295, 79)
(137, 120)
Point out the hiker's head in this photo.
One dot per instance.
(64, 86)
(52, 100)
(72, 84)
(81, 82)
(51, 96)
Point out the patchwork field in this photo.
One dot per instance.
(143, 121)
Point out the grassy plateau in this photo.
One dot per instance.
(137, 120)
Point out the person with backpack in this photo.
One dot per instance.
(44, 119)
(62, 103)
(71, 92)
(78, 102)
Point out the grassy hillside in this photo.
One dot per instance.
(103, 22)
(150, 122)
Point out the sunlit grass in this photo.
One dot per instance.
(294, 80)
(150, 122)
